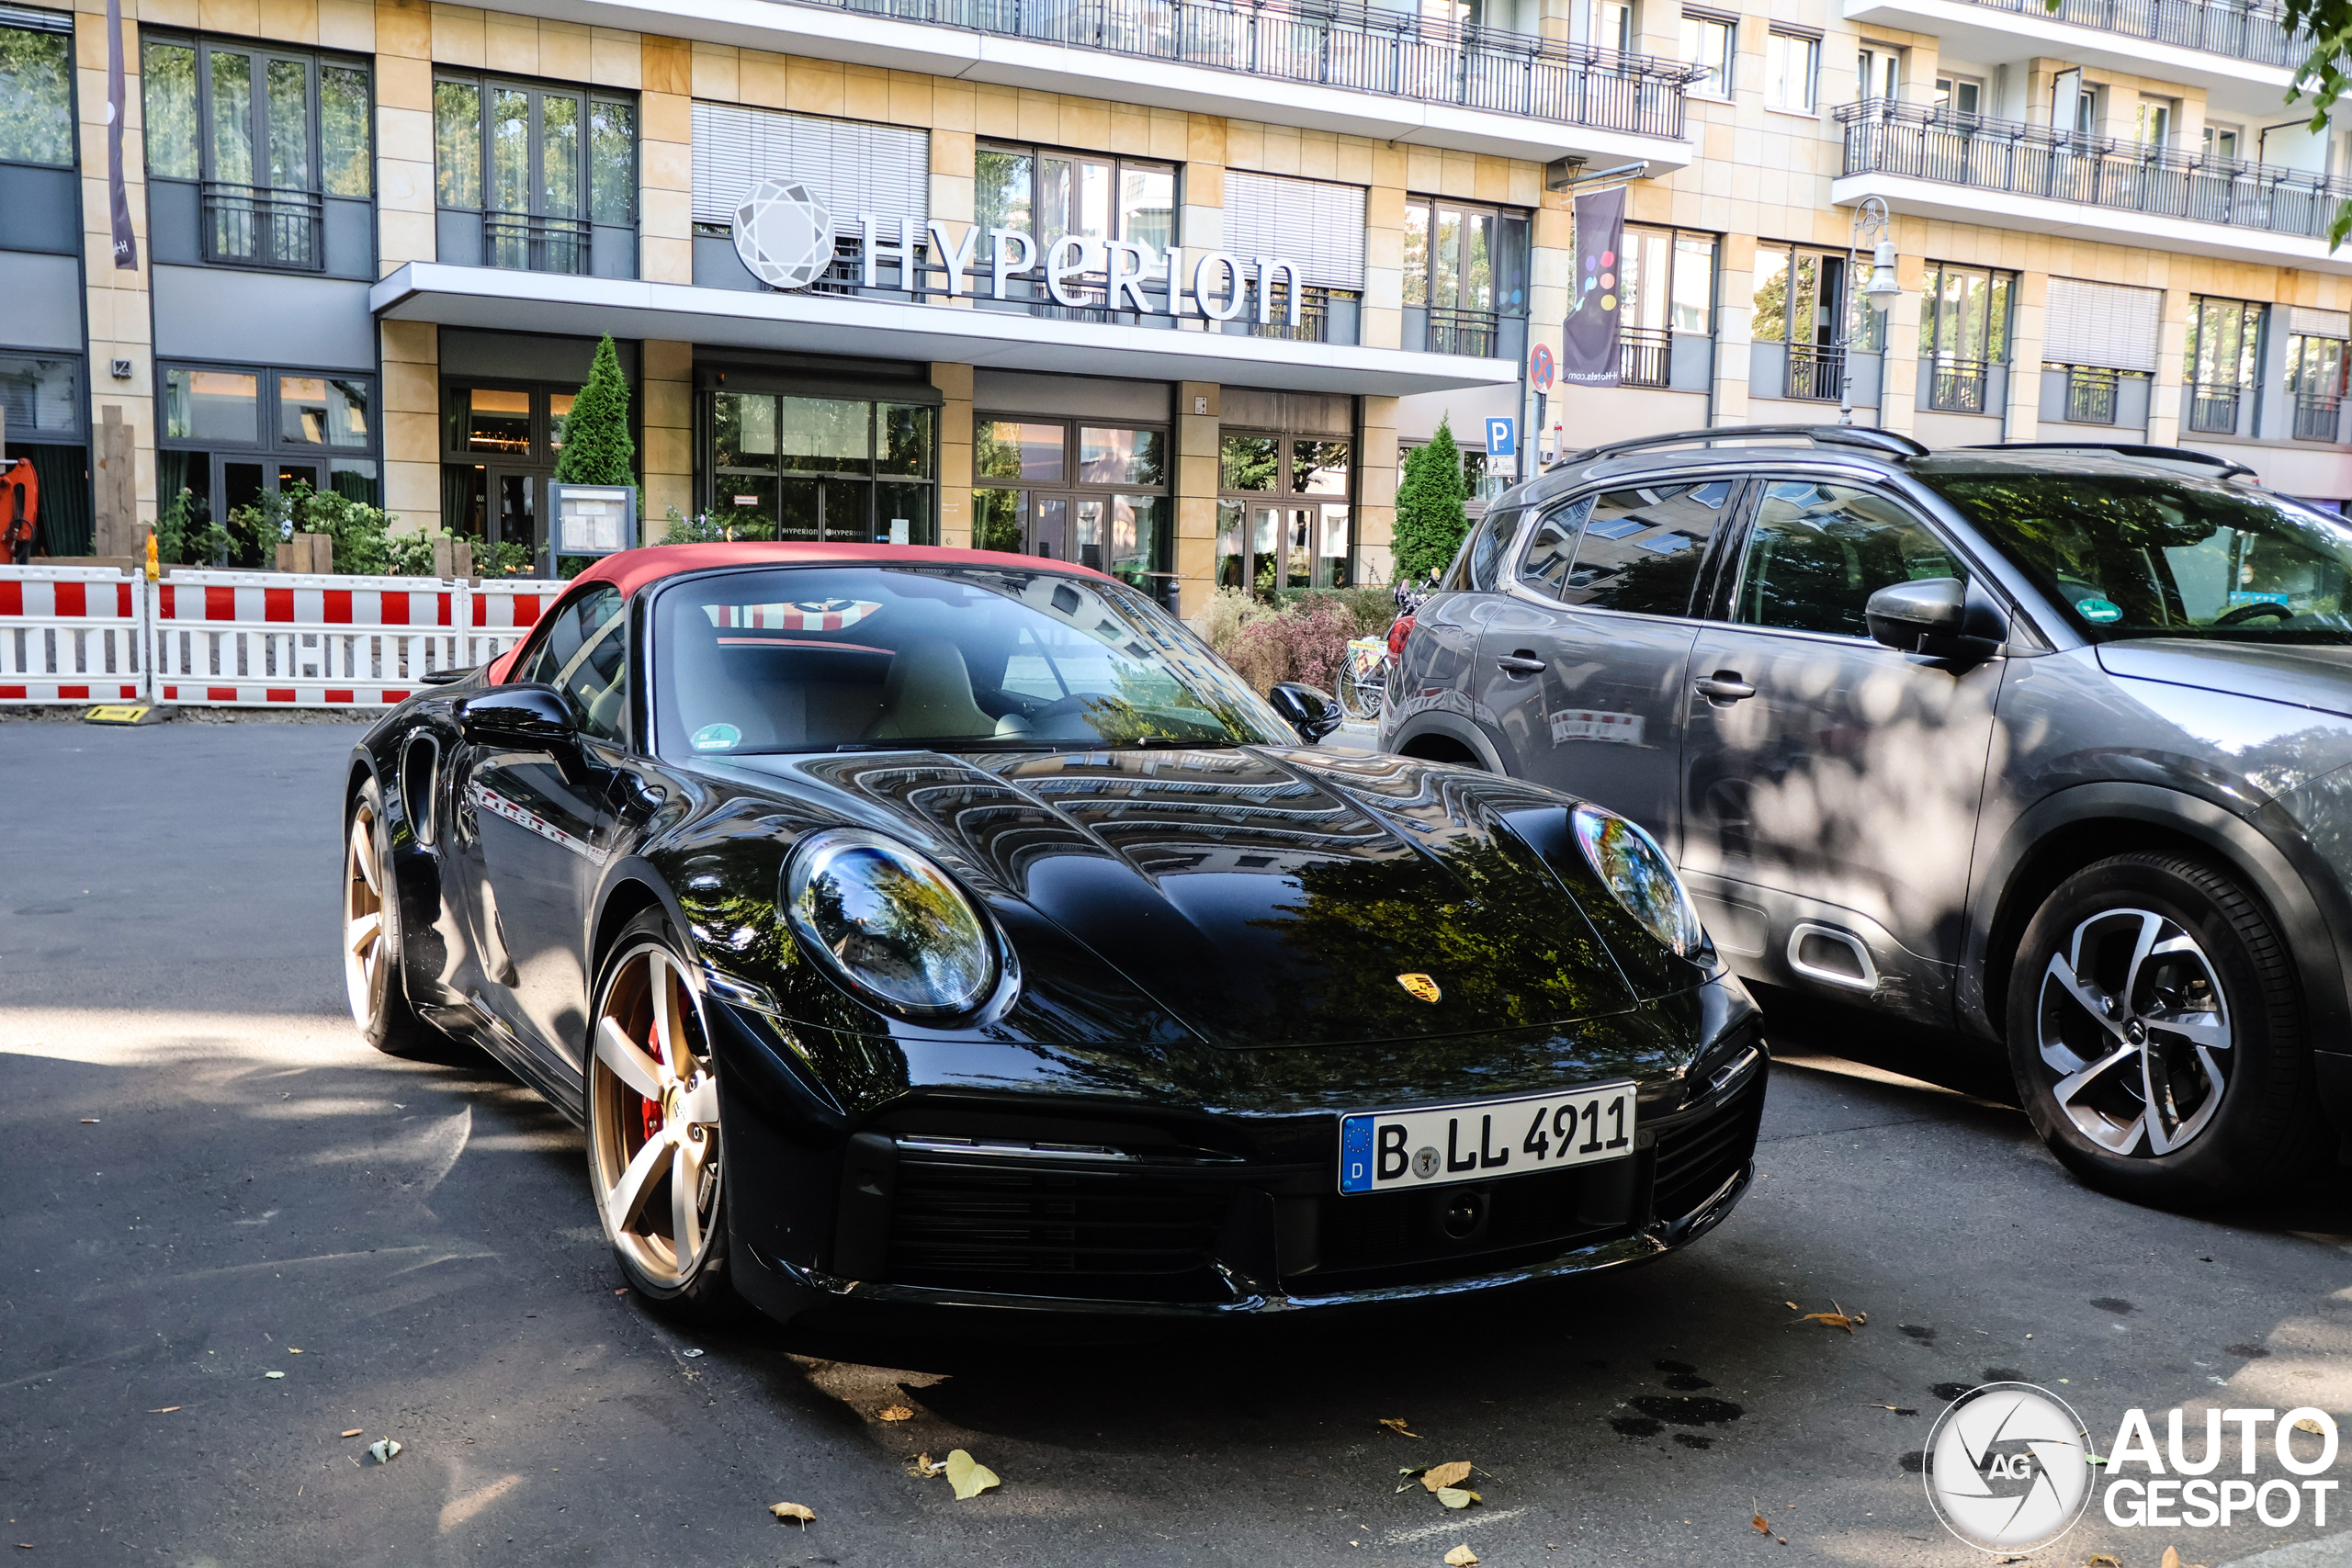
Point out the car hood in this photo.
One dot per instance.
(1260, 895)
(2300, 674)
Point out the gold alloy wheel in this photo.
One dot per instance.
(653, 1119)
(367, 955)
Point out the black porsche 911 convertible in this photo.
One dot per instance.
(939, 927)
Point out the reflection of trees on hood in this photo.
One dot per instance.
(1506, 949)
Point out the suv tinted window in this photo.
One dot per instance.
(1635, 549)
(585, 657)
(1818, 553)
(1479, 565)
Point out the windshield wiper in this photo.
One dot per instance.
(960, 743)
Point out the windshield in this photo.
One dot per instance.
(819, 659)
(2146, 556)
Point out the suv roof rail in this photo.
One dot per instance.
(2228, 469)
(1820, 435)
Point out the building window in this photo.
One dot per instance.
(1612, 24)
(1958, 97)
(40, 393)
(820, 468)
(1283, 511)
(1466, 278)
(2219, 365)
(1068, 490)
(255, 146)
(1791, 67)
(229, 435)
(1712, 44)
(538, 178)
(2315, 381)
(1796, 303)
(37, 95)
(1963, 333)
(2221, 142)
(2157, 117)
(1878, 74)
(1669, 288)
(1047, 195)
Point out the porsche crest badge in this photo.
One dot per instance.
(1420, 985)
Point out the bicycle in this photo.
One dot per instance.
(1363, 685)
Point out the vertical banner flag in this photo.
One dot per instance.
(1589, 349)
(126, 247)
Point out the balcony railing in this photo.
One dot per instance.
(2319, 417)
(2213, 407)
(1958, 386)
(1816, 372)
(1645, 356)
(531, 244)
(2243, 33)
(2090, 394)
(1924, 143)
(264, 227)
(1455, 331)
(1341, 44)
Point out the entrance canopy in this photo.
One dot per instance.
(511, 300)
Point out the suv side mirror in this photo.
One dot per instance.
(1313, 713)
(526, 718)
(1939, 616)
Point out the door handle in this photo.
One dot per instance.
(1520, 664)
(1723, 686)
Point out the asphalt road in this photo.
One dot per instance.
(208, 1180)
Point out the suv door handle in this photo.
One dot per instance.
(1723, 686)
(1520, 663)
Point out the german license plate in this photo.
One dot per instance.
(1384, 1151)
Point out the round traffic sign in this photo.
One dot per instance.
(1540, 367)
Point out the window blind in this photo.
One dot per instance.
(2305, 322)
(2105, 324)
(1312, 223)
(853, 166)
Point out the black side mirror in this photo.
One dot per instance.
(526, 718)
(1938, 617)
(1313, 713)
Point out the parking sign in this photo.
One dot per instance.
(1502, 437)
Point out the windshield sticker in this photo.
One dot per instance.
(2098, 611)
(715, 736)
(807, 616)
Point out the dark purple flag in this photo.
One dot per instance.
(1588, 347)
(126, 244)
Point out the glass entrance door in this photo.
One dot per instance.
(514, 512)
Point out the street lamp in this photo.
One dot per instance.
(1874, 226)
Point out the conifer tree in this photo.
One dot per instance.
(596, 446)
(1430, 518)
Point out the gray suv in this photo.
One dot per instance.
(2052, 744)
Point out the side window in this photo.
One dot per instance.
(585, 657)
(1635, 549)
(1818, 553)
(1478, 568)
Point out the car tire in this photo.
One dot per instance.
(2156, 1032)
(653, 1129)
(374, 981)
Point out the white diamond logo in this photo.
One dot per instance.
(784, 231)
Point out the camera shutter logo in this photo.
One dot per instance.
(784, 231)
(2008, 1467)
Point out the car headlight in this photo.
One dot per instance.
(890, 923)
(1636, 870)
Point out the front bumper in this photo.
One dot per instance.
(1007, 1224)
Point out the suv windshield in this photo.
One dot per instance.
(817, 659)
(2134, 555)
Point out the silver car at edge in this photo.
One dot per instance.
(2051, 744)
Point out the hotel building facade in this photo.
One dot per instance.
(1166, 286)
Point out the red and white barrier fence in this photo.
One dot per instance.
(71, 634)
(248, 639)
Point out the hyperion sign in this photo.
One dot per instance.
(783, 232)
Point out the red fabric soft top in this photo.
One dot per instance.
(633, 569)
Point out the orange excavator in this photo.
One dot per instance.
(20, 509)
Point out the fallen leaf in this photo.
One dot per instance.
(622, 1291)
(356, 1431)
(382, 1449)
(1456, 1497)
(166, 1410)
(2103, 1560)
(2308, 1425)
(1461, 1557)
(1791, 1305)
(272, 1374)
(894, 1413)
(969, 1476)
(1397, 1425)
(1452, 1474)
(923, 1465)
(1760, 1523)
(2171, 1558)
(794, 1511)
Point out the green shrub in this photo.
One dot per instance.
(1431, 516)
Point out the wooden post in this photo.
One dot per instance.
(117, 487)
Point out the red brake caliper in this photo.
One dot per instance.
(650, 1110)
